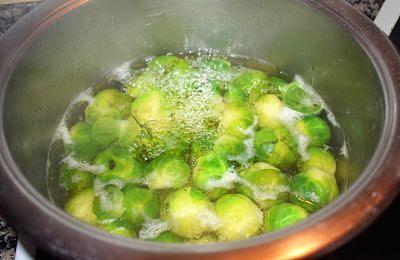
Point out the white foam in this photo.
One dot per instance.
(152, 228)
(62, 131)
(72, 163)
(260, 193)
(289, 117)
(344, 150)
(317, 99)
(123, 72)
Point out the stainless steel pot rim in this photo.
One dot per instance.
(355, 24)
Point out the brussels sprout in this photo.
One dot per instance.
(123, 132)
(297, 99)
(140, 204)
(167, 171)
(149, 112)
(268, 108)
(239, 217)
(205, 239)
(189, 213)
(233, 148)
(109, 102)
(315, 129)
(236, 120)
(107, 203)
(282, 216)
(83, 144)
(198, 149)
(168, 63)
(168, 237)
(119, 227)
(267, 186)
(141, 82)
(219, 64)
(80, 206)
(276, 146)
(210, 167)
(319, 158)
(249, 84)
(73, 180)
(313, 189)
(277, 85)
(119, 164)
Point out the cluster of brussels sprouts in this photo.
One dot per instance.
(199, 145)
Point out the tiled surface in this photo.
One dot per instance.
(9, 14)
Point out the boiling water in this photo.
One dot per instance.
(195, 113)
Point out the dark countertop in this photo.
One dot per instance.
(9, 14)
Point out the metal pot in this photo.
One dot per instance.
(63, 46)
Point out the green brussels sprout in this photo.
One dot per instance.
(205, 239)
(268, 108)
(149, 112)
(80, 206)
(141, 82)
(276, 146)
(233, 148)
(123, 132)
(249, 84)
(198, 149)
(83, 144)
(266, 186)
(219, 64)
(297, 99)
(168, 63)
(210, 167)
(73, 180)
(119, 164)
(166, 171)
(168, 237)
(189, 213)
(315, 129)
(236, 120)
(140, 204)
(108, 203)
(239, 217)
(319, 158)
(109, 102)
(277, 85)
(119, 227)
(313, 189)
(282, 216)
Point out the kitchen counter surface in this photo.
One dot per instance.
(9, 14)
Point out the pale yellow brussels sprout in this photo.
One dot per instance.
(319, 158)
(166, 171)
(236, 120)
(80, 206)
(109, 102)
(282, 216)
(267, 186)
(120, 131)
(189, 213)
(168, 63)
(239, 217)
(149, 111)
(268, 108)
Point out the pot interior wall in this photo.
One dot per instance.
(103, 34)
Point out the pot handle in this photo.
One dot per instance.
(388, 16)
